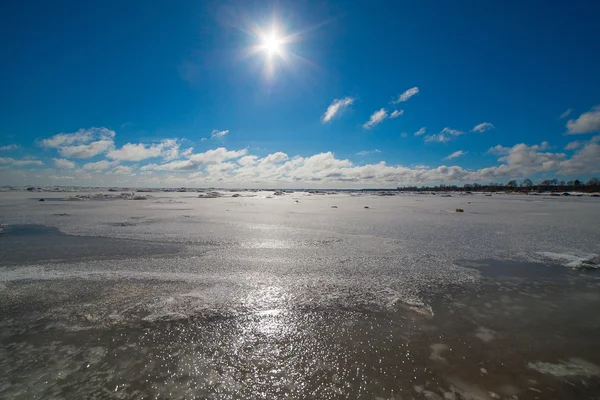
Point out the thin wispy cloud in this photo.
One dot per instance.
(19, 163)
(566, 113)
(367, 152)
(9, 147)
(456, 154)
(396, 113)
(100, 165)
(421, 132)
(406, 95)
(588, 122)
(573, 145)
(336, 108)
(444, 136)
(376, 118)
(483, 127)
(404, 134)
(218, 134)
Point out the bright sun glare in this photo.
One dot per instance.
(272, 44)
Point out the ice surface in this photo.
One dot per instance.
(273, 295)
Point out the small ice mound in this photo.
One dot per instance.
(236, 195)
(587, 261)
(463, 390)
(209, 195)
(416, 306)
(436, 352)
(485, 334)
(573, 367)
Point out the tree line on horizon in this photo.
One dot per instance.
(526, 185)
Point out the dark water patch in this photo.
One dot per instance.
(26, 244)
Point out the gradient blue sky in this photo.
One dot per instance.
(175, 94)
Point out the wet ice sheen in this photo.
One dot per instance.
(256, 297)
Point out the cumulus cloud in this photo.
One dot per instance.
(444, 136)
(483, 127)
(366, 152)
(217, 133)
(167, 149)
(566, 113)
(9, 147)
(84, 143)
(585, 160)
(421, 131)
(376, 118)
(456, 154)
(396, 113)
(246, 161)
(588, 122)
(100, 165)
(336, 107)
(215, 156)
(86, 150)
(274, 158)
(522, 160)
(63, 163)
(19, 163)
(406, 95)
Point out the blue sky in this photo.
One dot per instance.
(188, 93)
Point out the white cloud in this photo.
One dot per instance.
(587, 122)
(566, 114)
(63, 163)
(122, 170)
(522, 160)
(376, 118)
(19, 163)
(585, 160)
(404, 134)
(274, 158)
(100, 165)
(483, 127)
(396, 113)
(366, 152)
(60, 178)
(203, 139)
(456, 154)
(217, 133)
(247, 161)
(167, 149)
(421, 131)
(194, 162)
(444, 136)
(84, 143)
(406, 95)
(573, 145)
(86, 150)
(79, 137)
(336, 107)
(9, 147)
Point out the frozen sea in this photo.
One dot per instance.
(299, 296)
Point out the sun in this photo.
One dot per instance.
(271, 44)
